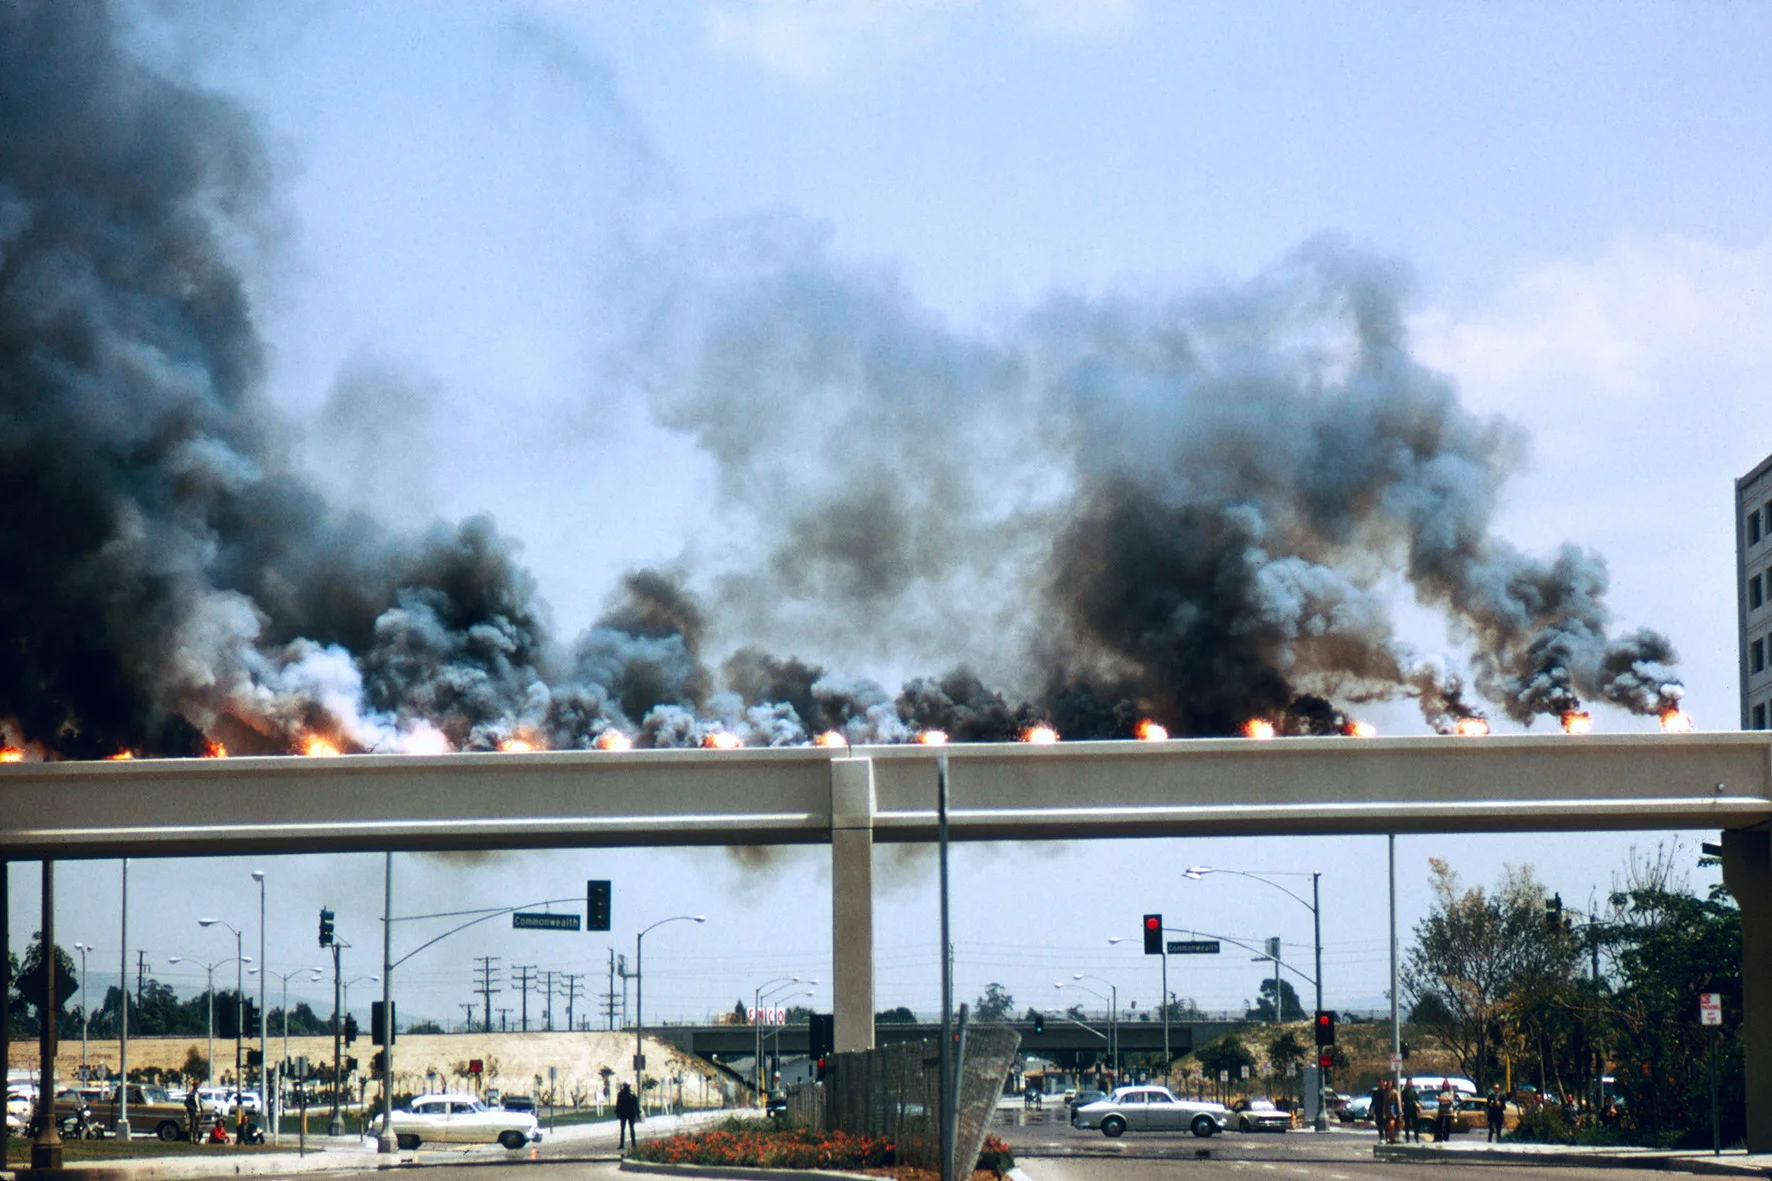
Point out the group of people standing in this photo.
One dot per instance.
(1397, 1113)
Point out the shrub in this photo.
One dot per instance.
(996, 1157)
(771, 1148)
(1543, 1125)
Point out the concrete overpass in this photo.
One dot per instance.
(852, 798)
(1061, 1034)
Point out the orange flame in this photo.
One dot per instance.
(1471, 727)
(1576, 722)
(614, 740)
(1149, 731)
(720, 740)
(316, 747)
(215, 750)
(830, 738)
(1040, 735)
(122, 756)
(1257, 728)
(1360, 730)
(1676, 721)
(516, 746)
(933, 738)
(11, 754)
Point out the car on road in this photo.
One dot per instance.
(1355, 1110)
(1150, 1109)
(460, 1119)
(516, 1103)
(1259, 1115)
(1081, 1097)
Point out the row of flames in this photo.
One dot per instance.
(1673, 721)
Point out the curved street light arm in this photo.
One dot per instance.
(1199, 871)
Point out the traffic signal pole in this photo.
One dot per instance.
(337, 1126)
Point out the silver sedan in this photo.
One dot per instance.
(1150, 1109)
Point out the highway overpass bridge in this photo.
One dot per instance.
(1060, 1035)
(854, 798)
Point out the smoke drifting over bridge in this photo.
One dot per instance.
(1186, 508)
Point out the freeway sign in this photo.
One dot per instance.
(1193, 947)
(534, 920)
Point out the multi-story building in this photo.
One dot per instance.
(1753, 592)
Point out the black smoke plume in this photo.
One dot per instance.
(1188, 509)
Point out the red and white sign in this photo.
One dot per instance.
(1710, 1008)
(769, 1015)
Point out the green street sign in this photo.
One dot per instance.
(1193, 947)
(533, 920)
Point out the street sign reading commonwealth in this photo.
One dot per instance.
(1193, 947)
(533, 920)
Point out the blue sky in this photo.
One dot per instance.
(469, 195)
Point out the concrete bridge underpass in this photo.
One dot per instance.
(853, 798)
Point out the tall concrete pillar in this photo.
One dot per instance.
(852, 902)
(1747, 871)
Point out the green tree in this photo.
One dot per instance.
(1284, 1049)
(196, 1067)
(995, 1005)
(898, 1016)
(1227, 1053)
(1479, 963)
(1666, 946)
(1290, 1009)
(740, 1014)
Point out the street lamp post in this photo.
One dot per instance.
(209, 1066)
(318, 975)
(239, 1022)
(1116, 939)
(264, 1061)
(1113, 1001)
(1195, 873)
(757, 995)
(639, 1017)
(85, 1015)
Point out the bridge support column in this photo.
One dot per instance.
(852, 902)
(1747, 871)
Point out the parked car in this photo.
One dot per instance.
(1081, 1097)
(517, 1103)
(1355, 1110)
(1259, 1115)
(1150, 1109)
(213, 1101)
(460, 1119)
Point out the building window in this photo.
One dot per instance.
(1756, 658)
(1753, 527)
(1759, 718)
(1756, 593)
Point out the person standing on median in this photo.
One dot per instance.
(1411, 1112)
(1496, 1109)
(627, 1111)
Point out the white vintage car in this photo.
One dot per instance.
(1150, 1109)
(461, 1119)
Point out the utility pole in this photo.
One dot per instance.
(573, 991)
(336, 1127)
(467, 1014)
(548, 995)
(141, 979)
(523, 971)
(609, 997)
(503, 1013)
(621, 969)
(488, 966)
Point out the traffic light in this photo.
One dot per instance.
(1039, 1023)
(351, 1065)
(254, 1021)
(381, 1029)
(254, 1058)
(1325, 1060)
(377, 1063)
(819, 1076)
(821, 1035)
(597, 905)
(351, 1028)
(325, 927)
(1153, 934)
(1325, 1027)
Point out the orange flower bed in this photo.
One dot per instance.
(769, 1148)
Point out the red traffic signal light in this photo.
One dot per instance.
(1325, 1027)
(1323, 1061)
(1153, 934)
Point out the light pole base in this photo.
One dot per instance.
(122, 1131)
(336, 1127)
(386, 1143)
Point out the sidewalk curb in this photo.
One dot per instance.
(1644, 1158)
(741, 1172)
(190, 1168)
